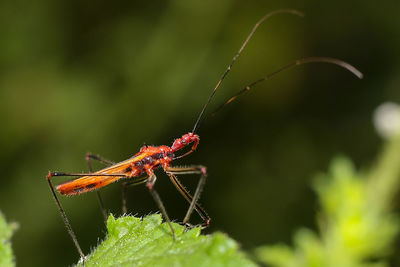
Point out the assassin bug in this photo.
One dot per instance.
(139, 169)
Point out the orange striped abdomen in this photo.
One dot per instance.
(85, 184)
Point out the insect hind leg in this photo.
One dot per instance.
(64, 215)
(124, 191)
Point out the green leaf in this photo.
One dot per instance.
(6, 230)
(133, 241)
(354, 227)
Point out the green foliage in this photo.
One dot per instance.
(6, 230)
(355, 224)
(148, 242)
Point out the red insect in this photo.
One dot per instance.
(140, 168)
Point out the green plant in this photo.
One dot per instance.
(133, 241)
(6, 231)
(356, 226)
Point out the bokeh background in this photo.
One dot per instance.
(108, 77)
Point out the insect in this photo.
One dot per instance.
(139, 169)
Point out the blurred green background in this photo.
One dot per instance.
(107, 78)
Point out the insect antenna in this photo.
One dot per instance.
(289, 11)
(298, 62)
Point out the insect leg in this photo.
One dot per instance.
(171, 171)
(64, 216)
(124, 188)
(90, 156)
(150, 185)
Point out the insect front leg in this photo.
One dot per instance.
(88, 157)
(150, 185)
(197, 169)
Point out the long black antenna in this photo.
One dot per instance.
(298, 62)
(289, 11)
